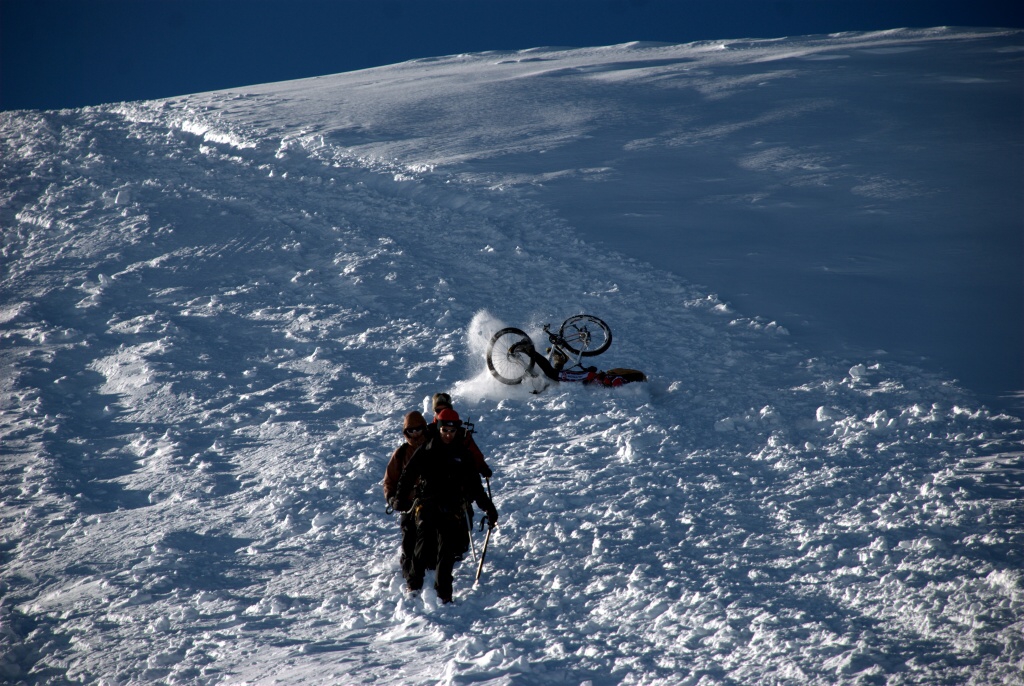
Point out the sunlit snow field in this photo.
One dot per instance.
(215, 310)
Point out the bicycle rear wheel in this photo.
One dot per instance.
(507, 357)
(586, 335)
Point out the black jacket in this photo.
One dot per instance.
(447, 478)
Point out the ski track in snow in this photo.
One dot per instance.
(210, 333)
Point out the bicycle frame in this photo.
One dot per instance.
(558, 343)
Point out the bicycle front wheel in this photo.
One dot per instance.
(585, 335)
(507, 356)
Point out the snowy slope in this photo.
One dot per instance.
(216, 309)
(873, 180)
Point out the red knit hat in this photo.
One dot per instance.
(448, 415)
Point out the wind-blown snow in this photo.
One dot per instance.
(217, 308)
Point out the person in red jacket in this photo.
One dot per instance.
(414, 429)
(555, 370)
(440, 403)
(443, 401)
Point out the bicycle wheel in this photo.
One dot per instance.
(507, 358)
(585, 335)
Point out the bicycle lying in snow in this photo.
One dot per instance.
(509, 357)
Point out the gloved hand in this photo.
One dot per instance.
(486, 472)
(492, 517)
(397, 504)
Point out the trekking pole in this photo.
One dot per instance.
(487, 539)
(483, 554)
(469, 532)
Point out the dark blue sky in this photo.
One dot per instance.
(70, 53)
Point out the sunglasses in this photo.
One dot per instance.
(414, 430)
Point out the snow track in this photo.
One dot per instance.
(210, 333)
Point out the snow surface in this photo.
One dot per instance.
(216, 309)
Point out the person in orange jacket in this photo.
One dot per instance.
(414, 429)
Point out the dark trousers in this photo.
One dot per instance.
(440, 537)
(408, 524)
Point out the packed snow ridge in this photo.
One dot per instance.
(211, 326)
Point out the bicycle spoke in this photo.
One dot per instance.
(585, 334)
(507, 356)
